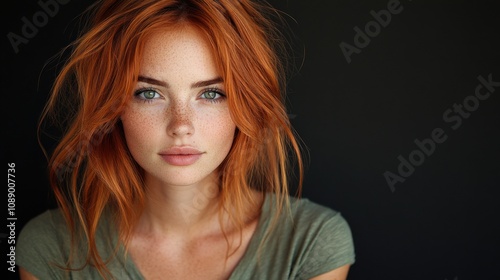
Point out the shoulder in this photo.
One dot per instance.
(47, 226)
(324, 225)
(48, 220)
(43, 238)
(45, 249)
(320, 238)
(307, 211)
(309, 216)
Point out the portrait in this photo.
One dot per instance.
(251, 140)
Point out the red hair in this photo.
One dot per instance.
(91, 169)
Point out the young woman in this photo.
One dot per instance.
(176, 159)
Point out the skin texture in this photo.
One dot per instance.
(178, 115)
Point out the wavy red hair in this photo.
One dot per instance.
(91, 169)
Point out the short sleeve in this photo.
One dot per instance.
(39, 246)
(333, 247)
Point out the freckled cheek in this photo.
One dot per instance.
(214, 126)
(225, 129)
(140, 128)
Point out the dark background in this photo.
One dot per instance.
(355, 119)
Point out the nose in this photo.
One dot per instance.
(180, 121)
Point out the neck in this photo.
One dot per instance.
(180, 209)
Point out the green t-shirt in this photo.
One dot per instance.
(317, 241)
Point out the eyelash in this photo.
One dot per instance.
(214, 89)
(142, 90)
(217, 91)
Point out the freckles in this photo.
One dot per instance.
(181, 115)
(142, 123)
(225, 128)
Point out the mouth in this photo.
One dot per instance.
(181, 156)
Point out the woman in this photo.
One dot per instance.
(176, 162)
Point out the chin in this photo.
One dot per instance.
(177, 179)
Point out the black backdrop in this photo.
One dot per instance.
(402, 134)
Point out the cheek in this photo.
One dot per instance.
(138, 128)
(226, 130)
(216, 129)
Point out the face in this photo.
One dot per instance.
(177, 124)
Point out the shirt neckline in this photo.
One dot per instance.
(249, 252)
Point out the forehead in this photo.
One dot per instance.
(176, 50)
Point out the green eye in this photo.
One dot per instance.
(147, 94)
(210, 94)
(213, 94)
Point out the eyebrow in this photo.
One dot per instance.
(164, 84)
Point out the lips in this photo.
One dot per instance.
(181, 156)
